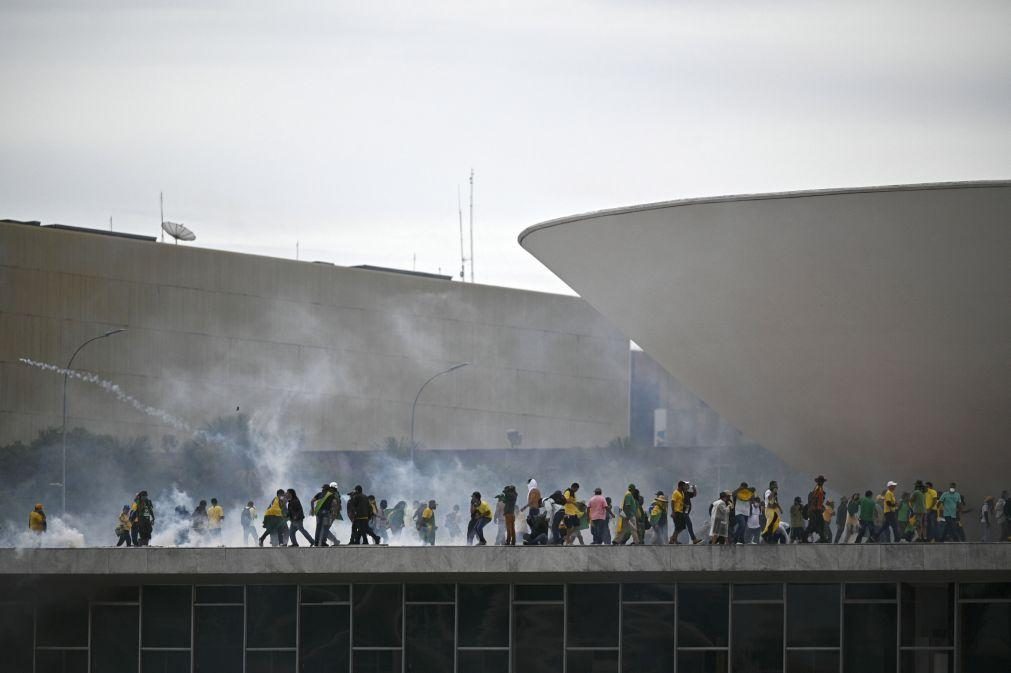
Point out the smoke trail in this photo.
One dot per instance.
(59, 533)
(113, 389)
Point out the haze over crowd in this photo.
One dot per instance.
(348, 127)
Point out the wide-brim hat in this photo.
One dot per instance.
(820, 479)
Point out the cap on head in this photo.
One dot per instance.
(892, 483)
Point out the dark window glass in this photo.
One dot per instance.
(61, 661)
(62, 624)
(230, 594)
(758, 592)
(927, 615)
(166, 620)
(431, 593)
(592, 661)
(217, 639)
(703, 615)
(812, 615)
(16, 639)
(114, 635)
(485, 662)
(989, 590)
(116, 594)
(592, 608)
(869, 638)
(340, 593)
(270, 616)
(758, 638)
(702, 661)
(537, 638)
(539, 592)
(326, 638)
(377, 661)
(270, 662)
(647, 638)
(647, 592)
(927, 661)
(430, 635)
(378, 615)
(484, 615)
(812, 661)
(871, 591)
(154, 661)
(986, 636)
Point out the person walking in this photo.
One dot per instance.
(867, 510)
(658, 518)
(571, 507)
(452, 524)
(918, 507)
(597, 506)
(930, 498)
(296, 515)
(273, 519)
(840, 518)
(428, 524)
(534, 502)
(816, 511)
(628, 520)
(951, 501)
(890, 508)
(742, 510)
(134, 525)
(480, 516)
(986, 518)
(198, 522)
(37, 522)
(123, 528)
(1001, 516)
(755, 514)
(359, 512)
(326, 507)
(215, 515)
(144, 519)
(719, 518)
(852, 518)
(498, 518)
(797, 521)
(907, 522)
(397, 517)
(247, 519)
(509, 497)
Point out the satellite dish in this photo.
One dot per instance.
(178, 231)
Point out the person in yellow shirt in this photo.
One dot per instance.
(890, 507)
(930, 498)
(37, 520)
(428, 524)
(572, 513)
(480, 516)
(123, 527)
(214, 516)
(681, 508)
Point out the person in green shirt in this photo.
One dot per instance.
(950, 500)
(867, 510)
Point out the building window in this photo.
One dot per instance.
(17, 622)
(166, 617)
(647, 628)
(985, 629)
(538, 637)
(325, 629)
(377, 632)
(218, 629)
(115, 638)
(757, 619)
(870, 628)
(484, 615)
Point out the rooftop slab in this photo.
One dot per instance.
(965, 562)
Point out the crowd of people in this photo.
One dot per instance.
(745, 515)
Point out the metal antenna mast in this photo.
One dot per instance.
(459, 210)
(472, 225)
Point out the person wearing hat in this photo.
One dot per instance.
(719, 519)
(816, 511)
(658, 518)
(37, 520)
(890, 508)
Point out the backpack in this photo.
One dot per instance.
(558, 498)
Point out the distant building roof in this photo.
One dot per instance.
(102, 232)
(422, 274)
(31, 223)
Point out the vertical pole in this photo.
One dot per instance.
(161, 208)
(472, 225)
(63, 436)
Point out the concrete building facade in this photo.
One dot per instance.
(688, 609)
(332, 356)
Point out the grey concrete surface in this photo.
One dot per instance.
(858, 333)
(990, 562)
(330, 355)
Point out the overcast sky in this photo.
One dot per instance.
(349, 126)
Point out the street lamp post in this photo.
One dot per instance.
(414, 407)
(66, 375)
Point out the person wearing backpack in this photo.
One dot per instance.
(816, 511)
(360, 512)
(658, 518)
(247, 519)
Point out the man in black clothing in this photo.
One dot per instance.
(359, 510)
(538, 534)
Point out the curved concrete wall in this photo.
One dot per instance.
(860, 333)
(330, 355)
